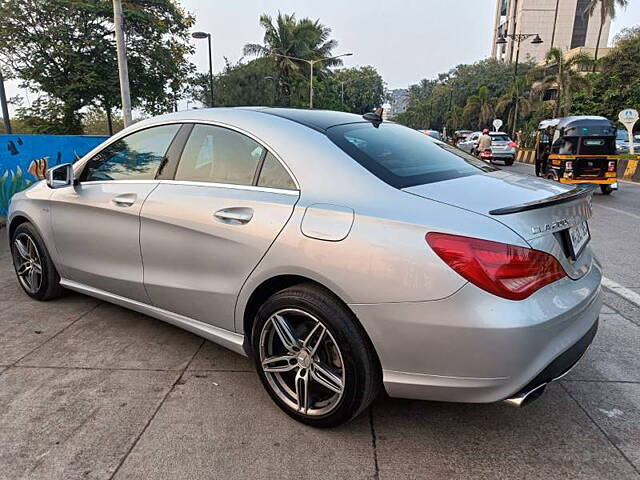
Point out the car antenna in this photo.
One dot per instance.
(374, 117)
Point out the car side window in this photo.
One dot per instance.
(217, 154)
(135, 157)
(274, 175)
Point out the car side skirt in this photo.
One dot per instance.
(231, 340)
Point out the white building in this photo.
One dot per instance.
(560, 24)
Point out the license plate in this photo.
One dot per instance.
(579, 236)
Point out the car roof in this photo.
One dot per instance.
(499, 133)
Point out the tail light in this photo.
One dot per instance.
(568, 166)
(507, 271)
(611, 167)
(513, 145)
(486, 154)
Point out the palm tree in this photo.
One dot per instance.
(304, 38)
(565, 78)
(517, 95)
(607, 9)
(480, 106)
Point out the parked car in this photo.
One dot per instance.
(469, 143)
(342, 253)
(432, 133)
(623, 145)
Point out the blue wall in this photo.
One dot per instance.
(24, 158)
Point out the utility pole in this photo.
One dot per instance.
(5, 110)
(123, 71)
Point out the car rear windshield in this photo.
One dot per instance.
(500, 138)
(403, 157)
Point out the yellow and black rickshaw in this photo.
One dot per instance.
(578, 150)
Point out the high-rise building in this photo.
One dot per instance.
(560, 24)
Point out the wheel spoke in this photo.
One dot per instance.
(37, 268)
(302, 390)
(313, 340)
(325, 377)
(23, 269)
(33, 279)
(284, 363)
(22, 250)
(285, 333)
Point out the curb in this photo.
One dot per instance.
(628, 168)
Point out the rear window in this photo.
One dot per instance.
(500, 138)
(403, 157)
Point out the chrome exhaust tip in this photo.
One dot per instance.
(527, 396)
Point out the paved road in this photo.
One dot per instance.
(89, 390)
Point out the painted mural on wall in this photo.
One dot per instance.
(25, 158)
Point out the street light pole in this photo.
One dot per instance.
(518, 38)
(199, 36)
(5, 110)
(123, 71)
(311, 63)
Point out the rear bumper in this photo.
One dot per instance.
(475, 347)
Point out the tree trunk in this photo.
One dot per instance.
(70, 120)
(595, 57)
(107, 110)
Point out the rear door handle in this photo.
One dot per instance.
(125, 200)
(234, 215)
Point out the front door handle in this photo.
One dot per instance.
(234, 215)
(125, 200)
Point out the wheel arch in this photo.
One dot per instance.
(280, 282)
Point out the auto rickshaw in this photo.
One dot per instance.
(578, 150)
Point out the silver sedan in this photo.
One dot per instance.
(342, 253)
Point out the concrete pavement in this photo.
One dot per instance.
(90, 390)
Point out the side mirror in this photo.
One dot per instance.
(60, 176)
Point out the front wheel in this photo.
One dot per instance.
(34, 268)
(606, 189)
(313, 358)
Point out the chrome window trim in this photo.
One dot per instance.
(231, 186)
(124, 133)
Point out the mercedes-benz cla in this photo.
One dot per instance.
(342, 253)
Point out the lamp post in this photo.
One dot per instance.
(273, 91)
(200, 36)
(518, 38)
(311, 63)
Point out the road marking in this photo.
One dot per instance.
(624, 292)
(633, 215)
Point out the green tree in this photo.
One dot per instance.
(481, 108)
(356, 90)
(563, 74)
(66, 50)
(607, 9)
(305, 38)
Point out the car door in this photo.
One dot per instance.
(96, 223)
(204, 232)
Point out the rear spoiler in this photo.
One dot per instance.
(581, 191)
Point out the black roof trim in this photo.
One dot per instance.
(580, 191)
(319, 120)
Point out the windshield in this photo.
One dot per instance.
(403, 157)
(500, 138)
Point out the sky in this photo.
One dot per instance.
(405, 40)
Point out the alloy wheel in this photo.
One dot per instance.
(302, 362)
(28, 262)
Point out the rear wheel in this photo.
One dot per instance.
(606, 189)
(508, 162)
(313, 358)
(34, 268)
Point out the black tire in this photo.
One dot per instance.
(49, 286)
(361, 371)
(606, 189)
(508, 163)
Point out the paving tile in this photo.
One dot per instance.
(215, 357)
(224, 426)
(615, 407)
(613, 355)
(28, 324)
(552, 438)
(114, 337)
(71, 424)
